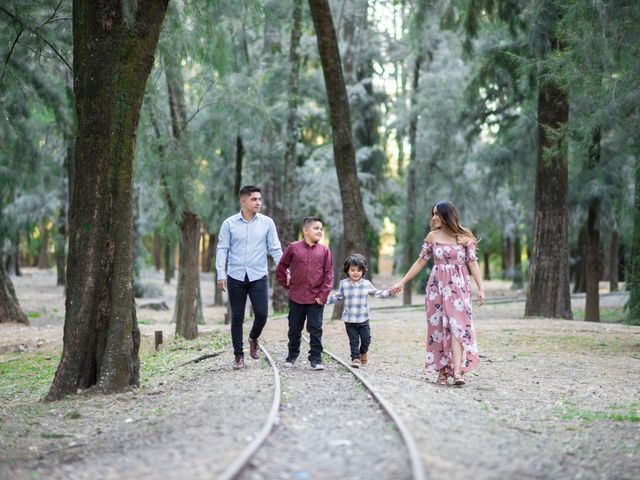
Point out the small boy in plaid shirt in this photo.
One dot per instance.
(355, 291)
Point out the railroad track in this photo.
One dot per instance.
(239, 464)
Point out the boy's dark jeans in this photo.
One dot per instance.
(313, 314)
(258, 292)
(359, 337)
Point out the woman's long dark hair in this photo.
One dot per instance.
(450, 217)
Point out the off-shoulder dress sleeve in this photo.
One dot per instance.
(471, 252)
(427, 251)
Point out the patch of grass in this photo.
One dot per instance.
(176, 351)
(28, 377)
(33, 314)
(615, 412)
(144, 321)
(607, 315)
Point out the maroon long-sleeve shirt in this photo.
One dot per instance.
(311, 269)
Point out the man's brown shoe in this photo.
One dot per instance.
(238, 363)
(364, 359)
(254, 348)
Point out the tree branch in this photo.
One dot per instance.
(24, 26)
(6, 62)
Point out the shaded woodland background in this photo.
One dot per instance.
(525, 114)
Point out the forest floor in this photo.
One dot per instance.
(551, 399)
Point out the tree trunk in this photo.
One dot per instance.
(112, 59)
(217, 293)
(10, 310)
(169, 260)
(487, 268)
(43, 255)
(518, 280)
(188, 278)
(188, 309)
(239, 159)
(614, 261)
(410, 240)
(337, 248)
(157, 251)
(354, 217)
(16, 257)
(580, 267)
(592, 273)
(632, 307)
(592, 253)
(549, 292)
(282, 214)
(509, 257)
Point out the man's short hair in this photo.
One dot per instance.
(309, 220)
(247, 190)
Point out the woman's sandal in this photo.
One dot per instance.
(442, 378)
(458, 379)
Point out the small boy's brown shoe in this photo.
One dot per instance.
(364, 359)
(238, 362)
(355, 362)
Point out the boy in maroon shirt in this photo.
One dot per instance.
(306, 270)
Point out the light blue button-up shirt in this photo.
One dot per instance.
(243, 247)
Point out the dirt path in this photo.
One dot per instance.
(551, 399)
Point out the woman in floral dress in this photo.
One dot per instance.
(451, 338)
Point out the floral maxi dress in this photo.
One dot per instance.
(448, 303)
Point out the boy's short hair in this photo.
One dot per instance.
(247, 190)
(355, 260)
(309, 220)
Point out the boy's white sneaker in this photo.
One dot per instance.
(317, 366)
(289, 363)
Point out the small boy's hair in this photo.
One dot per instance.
(247, 190)
(309, 220)
(355, 260)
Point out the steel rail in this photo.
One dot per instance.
(241, 461)
(417, 468)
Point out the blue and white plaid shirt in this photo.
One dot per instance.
(356, 307)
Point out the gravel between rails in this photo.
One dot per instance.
(329, 428)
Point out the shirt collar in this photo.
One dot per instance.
(239, 217)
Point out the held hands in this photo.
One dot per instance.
(396, 289)
(222, 285)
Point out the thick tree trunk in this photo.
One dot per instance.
(614, 261)
(549, 292)
(354, 217)
(112, 58)
(188, 278)
(10, 310)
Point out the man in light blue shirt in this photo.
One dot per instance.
(244, 241)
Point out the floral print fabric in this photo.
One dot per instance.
(448, 303)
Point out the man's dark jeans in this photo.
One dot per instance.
(359, 337)
(313, 314)
(258, 292)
